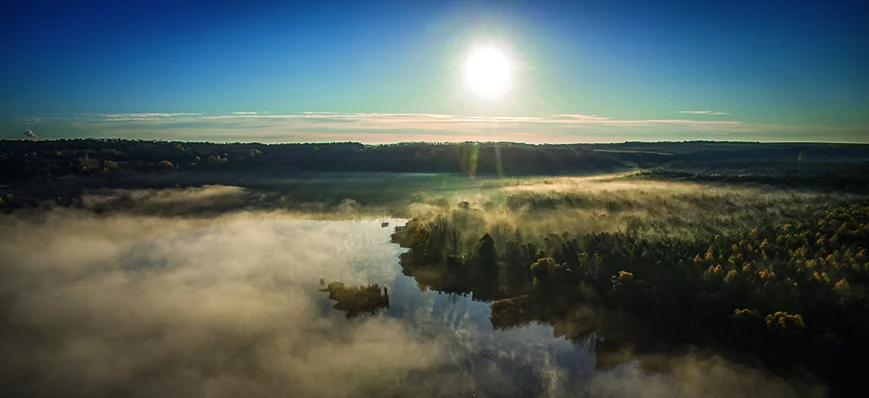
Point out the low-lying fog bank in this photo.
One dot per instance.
(140, 306)
(123, 304)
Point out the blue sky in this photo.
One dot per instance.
(383, 71)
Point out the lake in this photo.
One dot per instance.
(485, 360)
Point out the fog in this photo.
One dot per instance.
(697, 376)
(139, 306)
(534, 208)
(123, 304)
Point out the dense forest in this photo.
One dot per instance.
(793, 295)
(22, 160)
(826, 176)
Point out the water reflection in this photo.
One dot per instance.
(484, 356)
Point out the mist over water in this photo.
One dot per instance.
(147, 306)
(130, 305)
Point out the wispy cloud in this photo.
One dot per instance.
(131, 117)
(704, 112)
(581, 117)
(376, 128)
(387, 120)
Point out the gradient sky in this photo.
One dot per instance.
(383, 71)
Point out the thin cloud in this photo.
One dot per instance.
(377, 128)
(376, 120)
(703, 112)
(133, 117)
(581, 117)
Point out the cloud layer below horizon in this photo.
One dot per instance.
(377, 128)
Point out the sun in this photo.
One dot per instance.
(488, 72)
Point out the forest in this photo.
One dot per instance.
(22, 160)
(790, 294)
(757, 252)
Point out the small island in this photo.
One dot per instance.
(356, 300)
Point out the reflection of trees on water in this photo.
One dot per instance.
(606, 337)
(783, 296)
(356, 300)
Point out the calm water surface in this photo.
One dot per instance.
(487, 360)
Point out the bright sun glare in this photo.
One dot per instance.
(488, 72)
